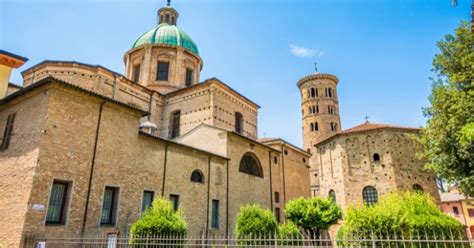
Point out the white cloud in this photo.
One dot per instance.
(304, 52)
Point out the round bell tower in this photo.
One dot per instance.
(320, 116)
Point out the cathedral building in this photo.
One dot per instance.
(85, 150)
(358, 164)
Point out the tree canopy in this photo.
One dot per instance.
(313, 213)
(448, 138)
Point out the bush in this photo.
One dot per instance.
(402, 214)
(289, 231)
(253, 221)
(160, 221)
(313, 214)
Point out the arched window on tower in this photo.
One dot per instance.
(330, 92)
(173, 21)
(317, 109)
(370, 195)
(136, 73)
(249, 164)
(316, 126)
(313, 92)
(167, 19)
(239, 123)
(311, 127)
(197, 176)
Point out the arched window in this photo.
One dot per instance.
(370, 196)
(317, 109)
(239, 123)
(311, 127)
(197, 176)
(376, 158)
(332, 195)
(316, 126)
(417, 188)
(330, 92)
(175, 123)
(249, 164)
(313, 92)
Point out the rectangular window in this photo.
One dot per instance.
(109, 206)
(277, 214)
(175, 200)
(175, 123)
(136, 73)
(455, 210)
(162, 71)
(8, 131)
(470, 212)
(239, 122)
(277, 197)
(215, 213)
(147, 199)
(58, 203)
(189, 77)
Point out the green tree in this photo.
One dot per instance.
(160, 221)
(254, 221)
(313, 214)
(400, 214)
(448, 138)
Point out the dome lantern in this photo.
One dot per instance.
(168, 15)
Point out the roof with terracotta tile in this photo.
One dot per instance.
(369, 126)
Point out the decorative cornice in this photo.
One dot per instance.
(318, 76)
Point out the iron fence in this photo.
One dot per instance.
(115, 241)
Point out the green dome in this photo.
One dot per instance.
(169, 35)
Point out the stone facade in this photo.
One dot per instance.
(374, 155)
(66, 133)
(92, 130)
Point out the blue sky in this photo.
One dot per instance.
(380, 50)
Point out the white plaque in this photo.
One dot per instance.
(38, 207)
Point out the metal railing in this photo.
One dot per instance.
(321, 240)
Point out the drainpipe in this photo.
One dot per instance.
(271, 183)
(208, 193)
(91, 174)
(283, 168)
(227, 203)
(164, 171)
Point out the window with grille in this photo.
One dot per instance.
(197, 176)
(189, 77)
(215, 214)
(370, 195)
(109, 206)
(249, 164)
(175, 201)
(175, 123)
(58, 203)
(136, 73)
(147, 201)
(162, 71)
(8, 132)
(239, 122)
